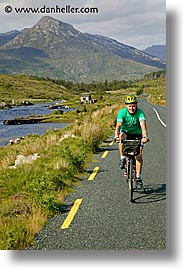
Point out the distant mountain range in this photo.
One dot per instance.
(6, 37)
(158, 51)
(54, 49)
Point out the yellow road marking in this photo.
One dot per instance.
(111, 143)
(104, 154)
(93, 174)
(71, 214)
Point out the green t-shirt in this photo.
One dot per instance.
(131, 122)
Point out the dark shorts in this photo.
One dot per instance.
(133, 136)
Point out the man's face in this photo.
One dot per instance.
(131, 108)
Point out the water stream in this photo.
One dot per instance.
(8, 132)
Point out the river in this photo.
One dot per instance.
(8, 132)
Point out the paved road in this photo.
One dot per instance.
(106, 220)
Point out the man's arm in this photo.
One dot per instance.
(144, 131)
(117, 131)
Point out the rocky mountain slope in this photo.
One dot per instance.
(55, 49)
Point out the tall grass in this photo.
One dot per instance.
(33, 192)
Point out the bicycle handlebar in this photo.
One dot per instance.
(121, 140)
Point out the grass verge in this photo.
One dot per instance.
(30, 193)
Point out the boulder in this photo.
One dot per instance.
(21, 159)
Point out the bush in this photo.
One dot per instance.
(76, 159)
(140, 90)
(58, 112)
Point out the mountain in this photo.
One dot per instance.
(52, 48)
(6, 37)
(157, 50)
(127, 52)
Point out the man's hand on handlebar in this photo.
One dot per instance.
(144, 140)
(117, 139)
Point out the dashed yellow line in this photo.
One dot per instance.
(93, 174)
(104, 154)
(77, 203)
(71, 214)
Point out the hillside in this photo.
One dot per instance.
(19, 88)
(54, 49)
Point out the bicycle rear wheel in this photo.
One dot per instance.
(130, 180)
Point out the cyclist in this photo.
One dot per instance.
(131, 124)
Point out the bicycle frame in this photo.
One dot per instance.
(131, 149)
(131, 175)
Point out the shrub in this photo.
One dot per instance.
(76, 159)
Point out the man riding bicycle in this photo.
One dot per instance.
(131, 124)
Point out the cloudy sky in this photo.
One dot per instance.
(138, 23)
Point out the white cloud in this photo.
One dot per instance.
(133, 22)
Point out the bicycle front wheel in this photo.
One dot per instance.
(130, 180)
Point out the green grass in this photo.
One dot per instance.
(18, 88)
(156, 91)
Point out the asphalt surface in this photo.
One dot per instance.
(106, 220)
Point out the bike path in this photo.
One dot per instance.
(105, 219)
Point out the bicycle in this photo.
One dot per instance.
(131, 148)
